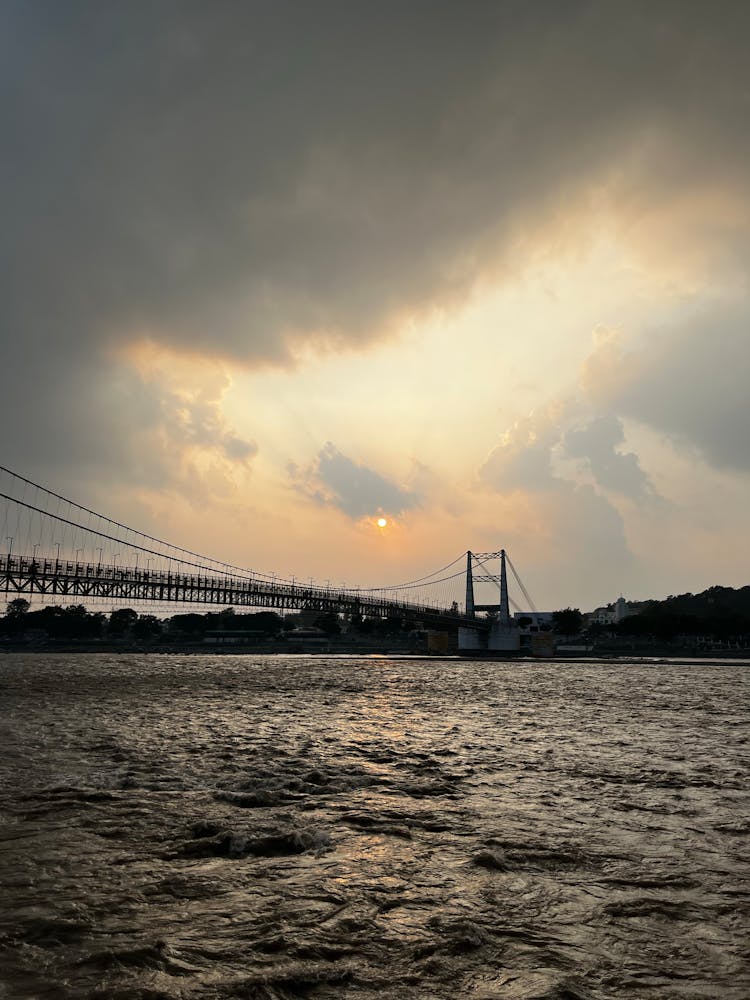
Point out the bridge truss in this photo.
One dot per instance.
(54, 579)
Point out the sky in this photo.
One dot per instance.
(273, 271)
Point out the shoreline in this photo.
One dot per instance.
(683, 656)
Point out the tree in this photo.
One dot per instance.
(226, 619)
(568, 621)
(122, 620)
(76, 623)
(17, 609)
(328, 623)
(191, 623)
(267, 622)
(146, 627)
(15, 615)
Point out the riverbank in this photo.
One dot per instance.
(406, 649)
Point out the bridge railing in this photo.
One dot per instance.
(29, 565)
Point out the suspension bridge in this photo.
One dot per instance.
(58, 550)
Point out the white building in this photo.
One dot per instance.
(612, 613)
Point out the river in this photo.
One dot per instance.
(270, 827)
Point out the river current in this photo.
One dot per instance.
(289, 826)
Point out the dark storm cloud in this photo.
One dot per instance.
(335, 480)
(228, 178)
(596, 444)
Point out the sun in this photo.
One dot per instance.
(382, 522)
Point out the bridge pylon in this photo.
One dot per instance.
(503, 636)
(469, 587)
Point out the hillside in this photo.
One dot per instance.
(718, 611)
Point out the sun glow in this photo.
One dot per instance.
(382, 522)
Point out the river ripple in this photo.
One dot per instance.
(277, 827)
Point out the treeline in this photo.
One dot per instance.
(76, 622)
(717, 613)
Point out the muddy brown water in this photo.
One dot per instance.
(278, 827)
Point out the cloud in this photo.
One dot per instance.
(582, 547)
(690, 383)
(177, 440)
(234, 181)
(180, 438)
(568, 539)
(523, 458)
(596, 444)
(567, 523)
(529, 454)
(334, 480)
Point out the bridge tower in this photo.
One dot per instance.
(503, 635)
(504, 616)
(470, 639)
(469, 587)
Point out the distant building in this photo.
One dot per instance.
(535, 630)
(541, 621)
(612, 613)
(601, 616)
(623, 609)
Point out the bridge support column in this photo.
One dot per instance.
(470, 638)
(469, 587)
